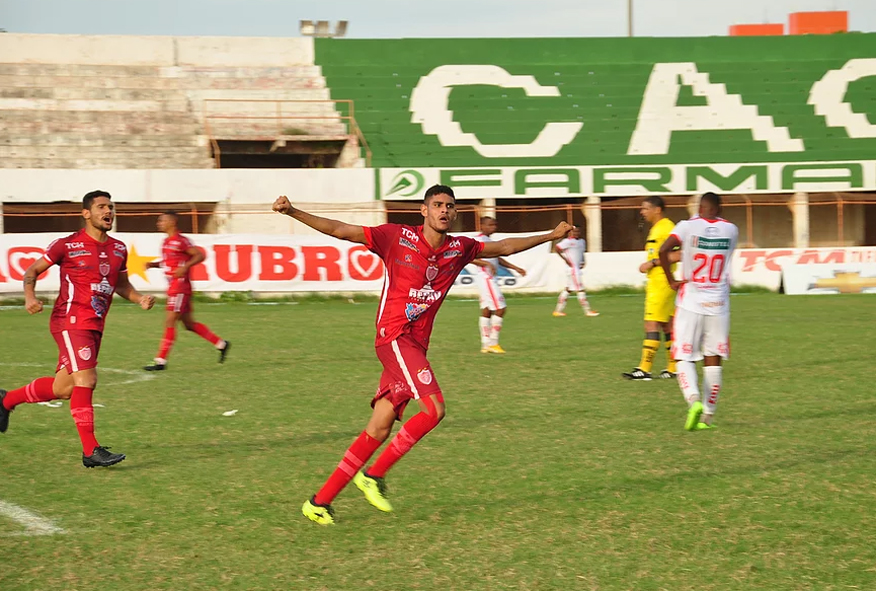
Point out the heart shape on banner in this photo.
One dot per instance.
(363, 265)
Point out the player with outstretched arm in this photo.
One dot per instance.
(421, 264)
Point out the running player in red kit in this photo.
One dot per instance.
(178, 256)
(421, 264)
(93, 266)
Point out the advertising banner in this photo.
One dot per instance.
(829, 278)
(289, 264)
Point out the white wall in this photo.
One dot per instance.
(233, 190)
(135, 50)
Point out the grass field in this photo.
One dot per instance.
(550, 472)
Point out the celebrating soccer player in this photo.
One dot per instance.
(659, 298)
(702, 314)
(178, 256)
(571, 250)
(93, 266)
(421, 263)
(492, 301)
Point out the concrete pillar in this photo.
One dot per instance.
(799, 206)
(693, 205)
(1, 218)
(487, 207)
(593, 213)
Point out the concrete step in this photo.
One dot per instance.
(92, 128)
(98, 117)
(102, 140)
(157, 83)
(7, 69)
(51, 104)
(79, 93)
(103, 152)
(110, 164)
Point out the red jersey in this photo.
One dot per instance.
(174, 256)
(417, 278)
(89, 275)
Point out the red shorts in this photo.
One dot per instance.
(77, 349)
(406, 374)
(179, 302)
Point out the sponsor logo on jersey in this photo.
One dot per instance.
(712, 231)
(410, 234)
(409, 258)
(407, 263)
(71, 245)
(100, 305)
(116, 253)
(104, 268)
(425, 376)
(414, 311)
(78, 253)
(102, 255)
(408, 244)
(455, 243)
(84, 353)
(687, 348)
(704, 243)
(119, 246)
(103, 288)
(450, 254)
(425, 295)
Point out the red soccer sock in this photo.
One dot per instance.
(356, 456)
(39, 390)
(166, 343)
(205, 333)
(410, 433)
(83, 416)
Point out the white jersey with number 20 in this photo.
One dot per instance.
(706, 249)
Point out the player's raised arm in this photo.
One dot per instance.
(510, 246)
(334, 228)
(666, 256)
(127, 291)
(32, 304)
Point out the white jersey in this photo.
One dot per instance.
(706, 249)
(573, 249)
(494, 262)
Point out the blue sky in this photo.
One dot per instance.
(412, 18)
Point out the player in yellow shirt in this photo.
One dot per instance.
(659, 297)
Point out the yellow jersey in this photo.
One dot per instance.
(656, 237)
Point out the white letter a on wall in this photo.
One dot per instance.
(660, 114)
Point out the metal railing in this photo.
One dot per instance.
(285, 113)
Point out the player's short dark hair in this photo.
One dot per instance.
(486, 218)
(438, 190)
(88, 199)
(712, 198)
(656, 201)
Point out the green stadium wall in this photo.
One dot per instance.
(459, 103)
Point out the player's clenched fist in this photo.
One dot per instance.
(562, 230)
(146, 302)
(282, 205)
(33, 306)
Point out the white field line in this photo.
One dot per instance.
(34, 525)
(135, 376)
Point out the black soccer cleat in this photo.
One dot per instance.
(667, 375)
(224, 351)
(4, 414)
(637, 375)
(101, 457)
(156, 367)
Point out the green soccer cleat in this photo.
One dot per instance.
(321, 514)
(375, 491)
(704, 427)
(693, 416)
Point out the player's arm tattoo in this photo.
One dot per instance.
(28, 280)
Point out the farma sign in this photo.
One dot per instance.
(504, 182)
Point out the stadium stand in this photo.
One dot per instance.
(158, 115)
